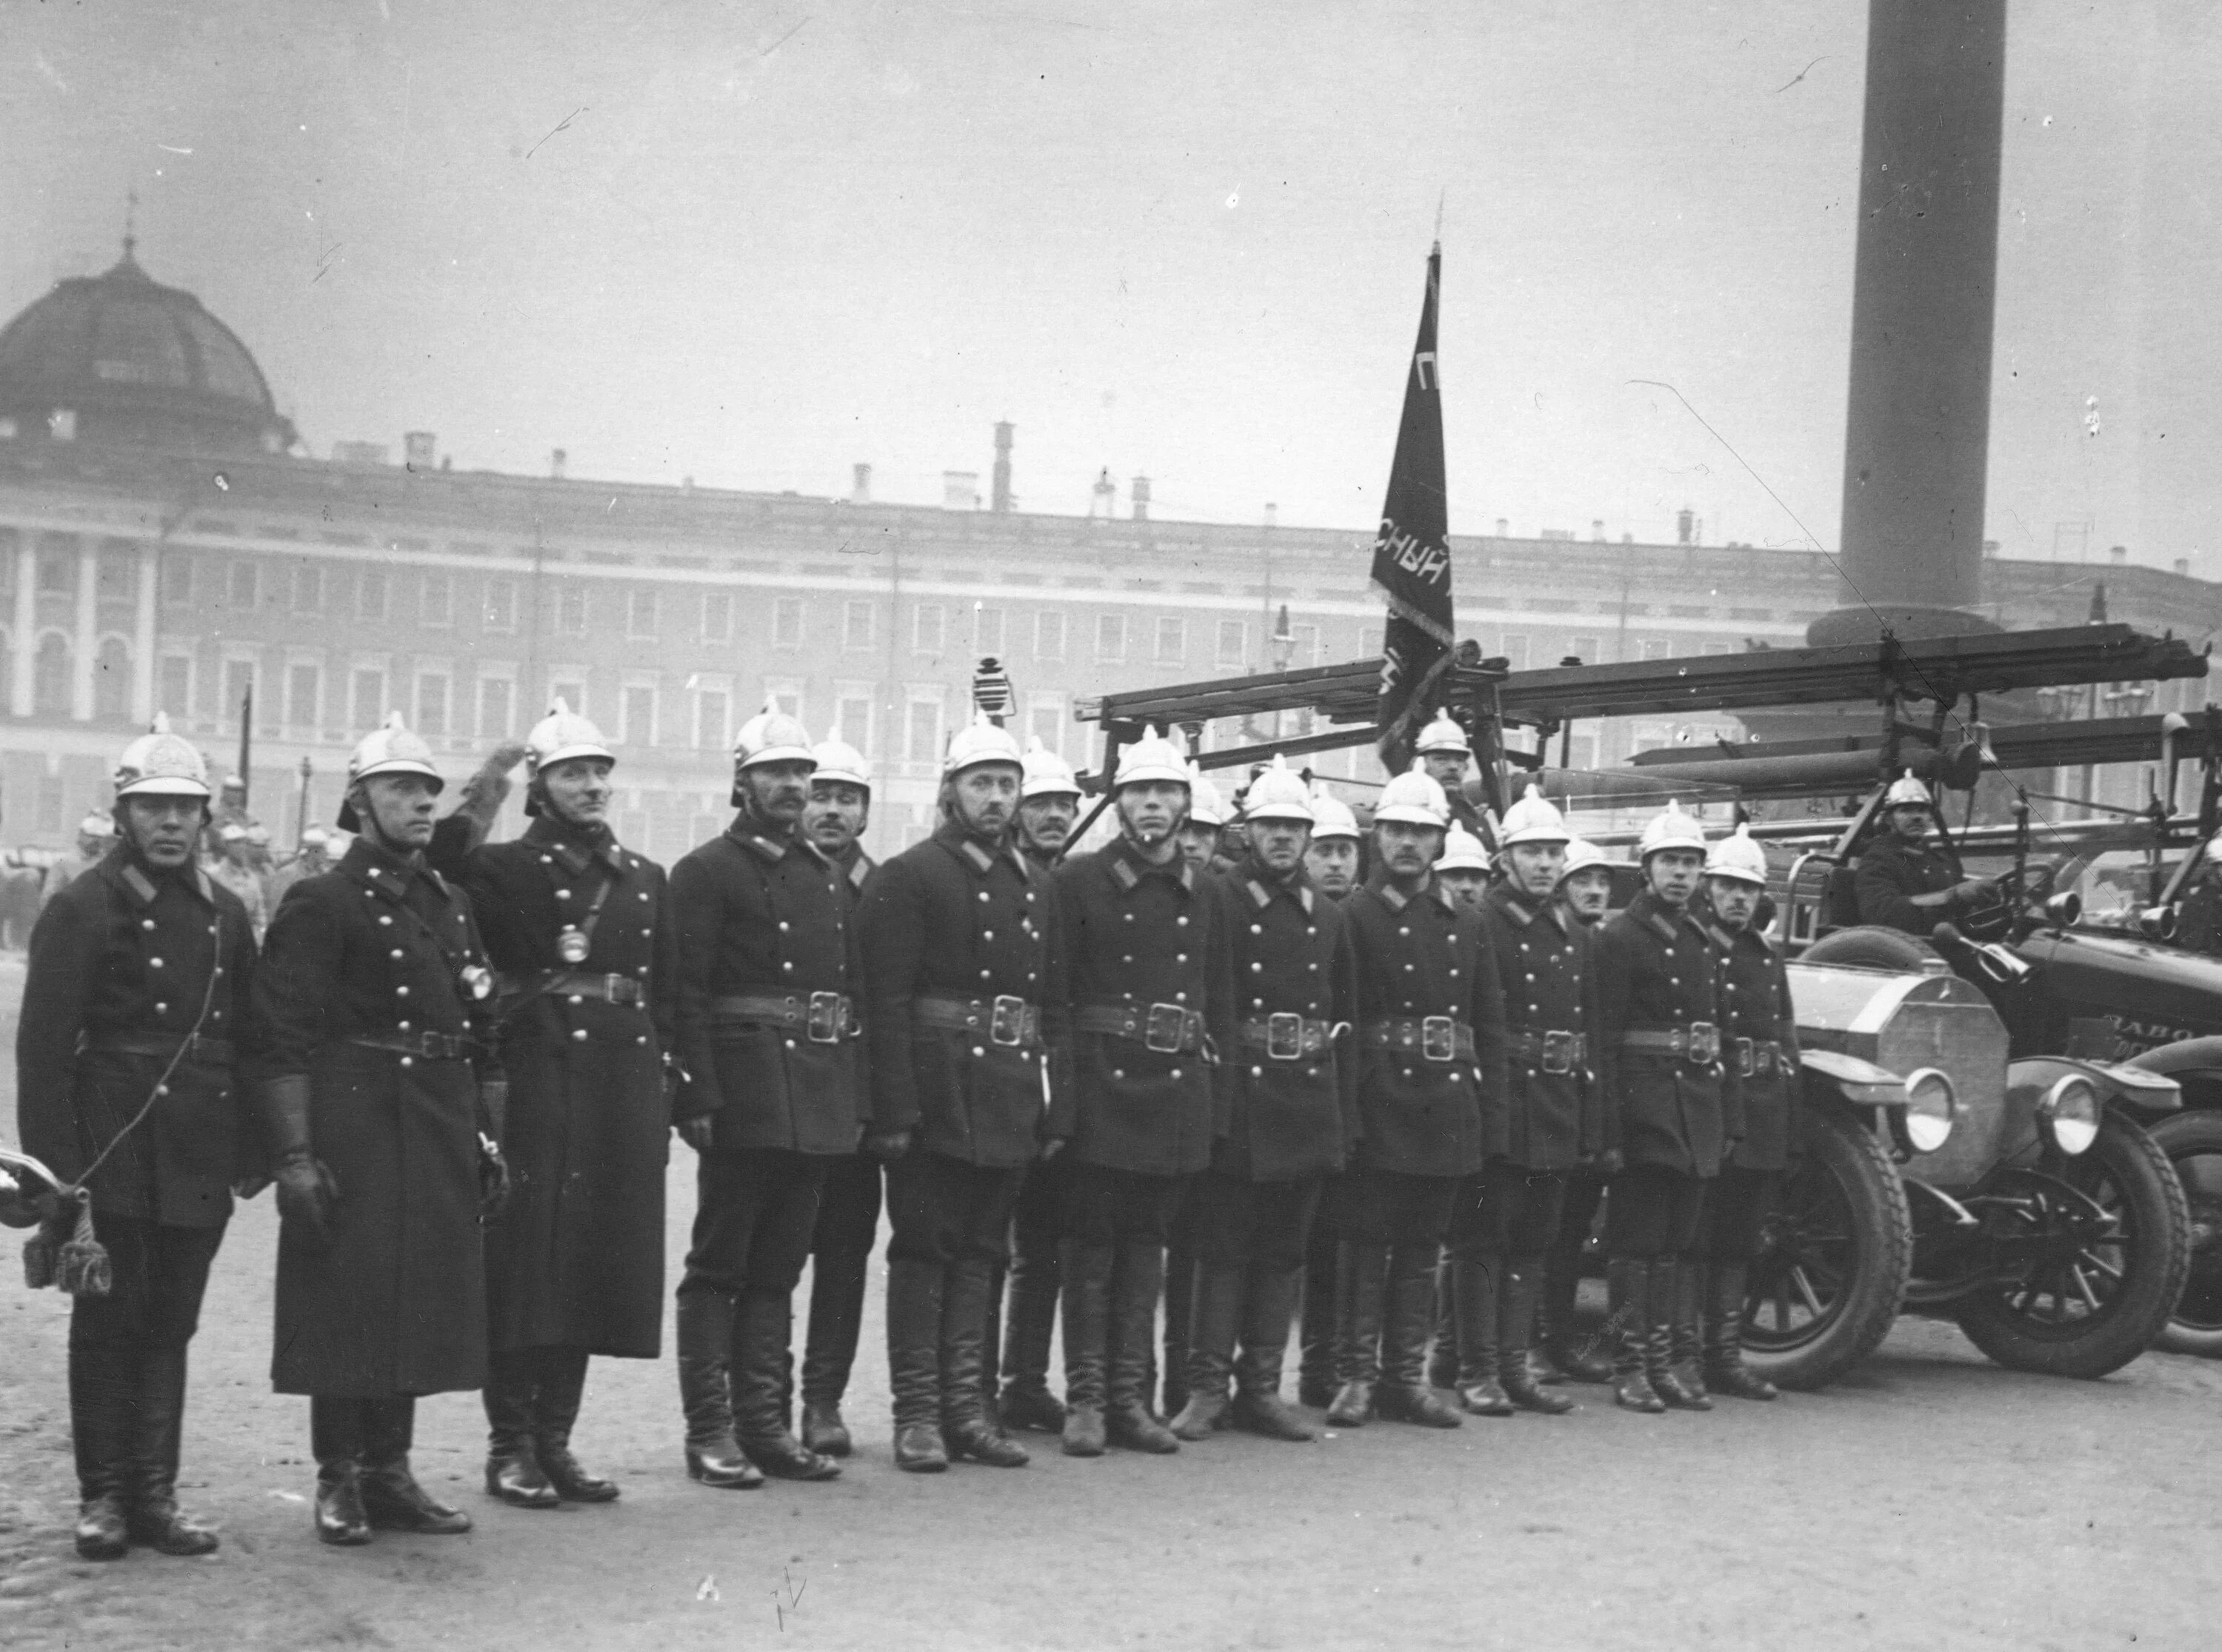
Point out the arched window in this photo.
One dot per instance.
(111, 679)
(50, 679)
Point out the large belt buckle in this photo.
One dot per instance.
(1767, 1057)
(1746, 1055)
(613, 988)
(1007, 1020)
(1284, 1035)
(1438, 1038)
(1165, 1028)
(1559, 1052)
(1705, 1043)
(822, 1022)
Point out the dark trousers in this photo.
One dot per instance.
(944, 1210)
(1505, 1211)
(840, 1257)
(1104, 1206)
(1394, 1207)
(1735, 1213)
(126, 1356)
(757, 1208)
(160, 1274)
(1246, 1224)
(1654, 1213)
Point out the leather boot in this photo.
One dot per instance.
(155, 1519)
(335, 1439)
(967, 1427)
(706, 1353)
(1670, 1301)
(1516, 1300)
(1214, 1319)
(102, 1393)
(1179, 1272)
(562, 1387)
(513, 1472)
(915, 1297)
(1443, 1360)
(837, 1320)
(1138, 1278)
(1269, 1303)
(1087, 1308)
(1319, 1362)
(991, 1345)
(1725, 1371)
(391, 1495)
(1404, 1396)
(1474, 1293)
(1030, 1294)
(1361, 1286)
(1627, 1280)
(763, 1330)
(1580, 1356)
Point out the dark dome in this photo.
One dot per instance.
(121, 358)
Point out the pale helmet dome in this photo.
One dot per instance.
(96, 825)
(1153, 757)
(981, 741)
(392, 748)
(1670, 829)
(316, 837)
(1045, 773)
(1331, 817)
(1443, 734)
(839, 760)
(1462, 851)
(160, 764)
(1582, 855)
(1738, 857)
(1279, 793)
(1415, 798)
(562, 735)
(1534, 820)
(1905, 789)
(1207, 807)
(771, 736)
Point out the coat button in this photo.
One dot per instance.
(161, 1009)
(1182, 920)
(579, 1034)
(983, 894)
(562, 894)
(976, 1050)
(790, 1043)
(404, 1026)
(1257, 1071)
(987, 934)
(1180, 958)
(400, 992)
(1255, 929)
(1256, 966)
(1175, 1074)
(1118, 1072)
(782, 926)
(396, 953)
(383, 920)
(146, 923)
(1126, 957)
(408, 1061)
(1180, 997)
(154, 963)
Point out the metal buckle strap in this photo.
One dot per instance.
(427, 1046)
(1167, 1029)
(1554, 1052)
(197, 1047)
(1285, 1036)
(1007, 1020)
(1698, 1043)
(825, 1017)
(612, 989)
(1756, 1057)
(1436, 1038)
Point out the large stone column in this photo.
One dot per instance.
(27, 627)
(143, 636)
(87, 647)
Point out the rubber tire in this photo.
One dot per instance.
(1871, 946)
(1838, 1144)
(2195, 1135)
(2140, 1167)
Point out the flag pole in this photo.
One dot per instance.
(245, 740)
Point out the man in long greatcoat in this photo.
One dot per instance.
(381, 1102)
(585, 949)
(1332, 863)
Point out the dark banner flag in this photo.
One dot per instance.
(1412, 556)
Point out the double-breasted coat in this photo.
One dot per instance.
(125, 961)
(1553, 1116)
(1423, 957)
(575, 1258)
(359, 962)
(763, 916)
(1138, 935)
(1656, 973)
(1891, 872)
(1291, 1085)
(1756, 1005)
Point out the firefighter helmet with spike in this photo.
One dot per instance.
(1443, 734)
(1533, 819)
(1415, 798)
(392, 748)
(1736, 856)
(1906, 790)
(1462, 851)
(1582, 855)
(562, 735)
(160, 764)
(1331, 816)
(771, 736)
(981, 742)
(1046, 773)
(1153, 757)
(1279, 793)
(1670, 829)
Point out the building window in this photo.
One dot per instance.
(718, 618)
(304, 695)
(370, 595)
(784, 695)
(431, 704)
(497, 612)
(1049, 636)
(852, 719)
(116, 581)
(50, 803)
(238, 685)
(856, 625)
(309, 588)
(56, 567)
(1172, 640)
(929, 621)
(785, 619)
(1582, 752)
(1045, 721)
(713, 715)
(497, 707)
(435, 603)
(1657, 648)
(177, 581)
(1233, 641)
(636, 716)
(1111, 637)
(173, 689)
(1303, 646)
(111, 679)
(245, 586)
(1590, 650)
(571, 609)
(988, 631)
(572, 690)
(922, 731)
(1516, 651)
(369, 693)
(640, 615)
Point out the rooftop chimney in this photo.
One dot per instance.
(1503, 527)
(1000, 501)
(1103, 498)
(960, 489)
(860, 485)
(417, 448)
(1597, 529)
(556, 463)
(1139, 491)
(1272, 514)
(2117, 554)
(1685, 526)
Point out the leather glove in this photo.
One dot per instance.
(889, 1147)
(306, 1192)
(1974, 889)
(1052, 1147)
(494, 1179)
(698, 1131)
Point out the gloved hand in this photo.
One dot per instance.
(1052, 1147)
(888, 1147)
(306, 1192)
(1974, 889)
(697, 1131)
(494, 1179)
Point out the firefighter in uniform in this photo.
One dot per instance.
(1335, 860)
(834, 819)
(381, 1100)
(964, 975)
(1049, 805)
(1291, 1105)
(1332, 862)
(581, 935)
(772, 1098)
(1431, 1091)
(1463, 868)
(1585, 892)
(1508, 1216)
(136, 1014)
(1904, 883)
(1152, 989)
(1671, 1109)
(1447, 752)
(1756, 996)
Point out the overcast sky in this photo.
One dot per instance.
(753, 243)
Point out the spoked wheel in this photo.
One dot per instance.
(2193, 1142)
(2095, 1250)
(1832, 1271)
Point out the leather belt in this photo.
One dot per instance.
(825, 1017)
(1554, 1052)
(1437, 1038)
(611, 989)
(1168, 1028)
(1288, 1037)
(1756, 1057)
(426, 1046)
(1007, 1020)
(1699, 1043)
(200, 1046)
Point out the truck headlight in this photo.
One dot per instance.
(1932, 1107)
(2070, 1113)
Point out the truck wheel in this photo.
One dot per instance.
(1834, 1263)
(2192, 1143)
(2102, 1284)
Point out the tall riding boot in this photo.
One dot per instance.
(336, 1439)
(1443, 1359)
(1214, 1319)
(705, 1353)
(1319, 1360)
(1087, 1271)
(763, 1333)
(967, 1428)
(103, 1396)
(1628, 1280)
(1269, 1303)
(1473, 1288)
(155, 1520)
(914, 1297)
(1404, 1396)
(1725, 1371)
(1670, 1337)
(1030, 1293)
(836, 1321)
(1581, 1358)
(1361, 1285)
(562, 1387)
(1138, 1279)
(513, 1471)
(391, 1495)
(1515, 1318)
(991, 1343)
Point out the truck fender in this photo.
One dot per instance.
(1861, 1083)
(2186, 1058)
(2134, 1088)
